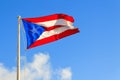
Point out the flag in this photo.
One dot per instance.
(46, 29)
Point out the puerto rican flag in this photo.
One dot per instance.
(46, 29)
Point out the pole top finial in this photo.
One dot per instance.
(19, 17)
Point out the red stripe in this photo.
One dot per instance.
(53, 27)
(54, 37)
(49, 17)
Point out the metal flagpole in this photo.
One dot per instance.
(18, 50)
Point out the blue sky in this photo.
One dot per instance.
(92, 54)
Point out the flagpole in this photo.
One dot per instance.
(18, 50)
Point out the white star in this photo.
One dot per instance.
(34, 30)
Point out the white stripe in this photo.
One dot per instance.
(55, 22)
(54, 32)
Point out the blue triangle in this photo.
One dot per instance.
(33, 31)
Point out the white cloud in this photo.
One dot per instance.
(38, 69)
(65, 74)
(6, 74)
